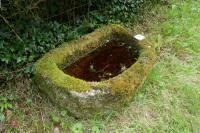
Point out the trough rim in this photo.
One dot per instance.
(47, 68)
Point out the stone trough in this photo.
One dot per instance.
(97, 73)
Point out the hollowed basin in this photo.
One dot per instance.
(97, 73)
(105, 62)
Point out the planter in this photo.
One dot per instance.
(97, 73)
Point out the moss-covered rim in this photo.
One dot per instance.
(47, 67)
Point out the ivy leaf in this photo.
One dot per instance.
(29, 69)
(20, 59)
(6, 60)
(31, 58)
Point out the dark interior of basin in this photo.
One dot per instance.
(105, 62)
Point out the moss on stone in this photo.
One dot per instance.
(52, 80)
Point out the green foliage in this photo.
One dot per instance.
(36, 41)
(63, 113)
(55, 119)
(25, 36)
(38, 38)
(64, 125)
(5, 103)
(125, 9)
(77, 128)
(2, 117)
(95, 129)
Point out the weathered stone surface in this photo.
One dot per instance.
(84, 99)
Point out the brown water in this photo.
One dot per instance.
(105, 62)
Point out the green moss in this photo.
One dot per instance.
(72, 93)
(47, 67)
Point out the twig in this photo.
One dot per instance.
(35, 4)
(74, 12)
(61, 13)
(6, 21)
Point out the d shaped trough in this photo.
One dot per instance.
(97, 73)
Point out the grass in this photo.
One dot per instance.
(169, 100)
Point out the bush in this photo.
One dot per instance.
(25, 36)
(36, 38)
(125, 9)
